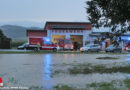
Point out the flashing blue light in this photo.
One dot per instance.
(129, 38)
(46, 39)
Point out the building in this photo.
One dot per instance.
(77, 31)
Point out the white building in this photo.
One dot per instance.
(77, 31)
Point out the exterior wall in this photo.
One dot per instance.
(86, 37)
(64, 28)
(36, 34)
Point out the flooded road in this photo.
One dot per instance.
(38, 69)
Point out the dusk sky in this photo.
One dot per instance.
(42, 10)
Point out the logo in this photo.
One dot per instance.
(1, 82)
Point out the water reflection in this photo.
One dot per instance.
(47, 66)
(128, 76)
(66, 56)
(128, 62)
(72, 55)
(47, 80)
(128, 59)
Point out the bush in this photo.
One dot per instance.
(16, 43)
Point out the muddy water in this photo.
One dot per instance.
(36, 69)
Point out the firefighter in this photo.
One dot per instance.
(38, 46)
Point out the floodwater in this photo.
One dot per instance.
(37, 69)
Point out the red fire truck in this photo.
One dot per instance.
(65, 44)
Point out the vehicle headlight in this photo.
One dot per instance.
(58, 47)
(81, 48)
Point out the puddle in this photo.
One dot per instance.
(36, 69)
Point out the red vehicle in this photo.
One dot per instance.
(127, 46)
(43, 43)
(65, 44)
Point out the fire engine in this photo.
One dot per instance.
(65, 44)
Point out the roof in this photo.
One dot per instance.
(67, 22)
(35, 30)
(61, 24)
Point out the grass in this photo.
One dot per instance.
(58, 52)
(40, 52)
(12, 80)
(88, 68)
(108, 58)
(64, 87)
(102, 86)
(97, 69)
(36, 88)
(16, 43)
(127, 83)
(113, 85)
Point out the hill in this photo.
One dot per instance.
(15, 32)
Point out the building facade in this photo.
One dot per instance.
(76, 31)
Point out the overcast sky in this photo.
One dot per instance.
(42, 10)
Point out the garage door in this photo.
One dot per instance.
(77, 38)
(56, 37)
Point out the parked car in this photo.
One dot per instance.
(25, 46)
(91, 48)
(113, 48)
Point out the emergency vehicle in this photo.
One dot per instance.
(43, 43)
(65, 44)
(127, 46)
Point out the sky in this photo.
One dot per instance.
(42, 10)
(34, 13)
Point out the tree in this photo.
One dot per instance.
(4, 41)
(110, 13)
(1, 33)
(2, 36)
